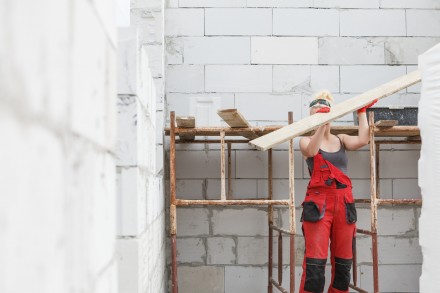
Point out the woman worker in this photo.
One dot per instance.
(329, 213)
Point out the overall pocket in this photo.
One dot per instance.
(313, 207)
(350, 209)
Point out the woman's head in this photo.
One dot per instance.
(320, 100)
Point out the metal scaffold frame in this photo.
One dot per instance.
(187, 134)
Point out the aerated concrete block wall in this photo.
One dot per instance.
(266, 58)
(141, 244)
(57, 119)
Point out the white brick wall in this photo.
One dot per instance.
(305, 22)
(57, 115)
(238, 21)
(141, 204)
(184, 22)
(216, 50)
(238, 78)
(265, 58)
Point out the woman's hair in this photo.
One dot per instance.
(322, 95)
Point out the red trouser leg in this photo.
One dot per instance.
(316, 236)
(341, 245)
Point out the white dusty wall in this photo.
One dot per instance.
(266, 58)
(141, 244)
(429, 64)
(57, 120)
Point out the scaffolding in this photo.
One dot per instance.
(226, 137)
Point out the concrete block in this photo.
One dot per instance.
(126, 148)
(252, 250)
(212, 3)
(128, 47)
(305, 22)
(410, 4)
(191, 250)
(189, 189)
(353, 77)
(406, 188)
(305, 79)
(221, 250)
(399, 251)
(253, 164)
(201, 279)
(396, 221)
(198, 165)
(131, 202)
(423, 22)
(399, 278)
(346, 4)
(185, 78)
(254, 106)
(284, 50)
(203, 107)
(399, 164)
(372, 22)
(127, 255)
(150, 23)
(217, 50)
(346, 50)
(192, 221)
(184, 22)
(407, 50)
(155, 59)
(245, 279)
(241, 188)
(253, 222)
(238, 78)
(279, 3)
(173, 50)
(238, 21)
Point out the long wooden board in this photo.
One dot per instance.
(234, 119)
(302, 126)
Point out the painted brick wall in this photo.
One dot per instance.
(258, 53)
(57, 119)
(141, 244)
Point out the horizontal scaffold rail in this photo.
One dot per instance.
(394, 131)
(229, 202)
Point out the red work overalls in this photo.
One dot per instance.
(328, 214)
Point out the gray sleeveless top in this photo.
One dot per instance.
(338, 159)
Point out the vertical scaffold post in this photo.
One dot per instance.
(373, 207)
(173, 219)
(292, 209)
(222, 166)
(270, 221)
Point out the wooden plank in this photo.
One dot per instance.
(234, 119)
(305, 125)
(186, 122)
(386, 123)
